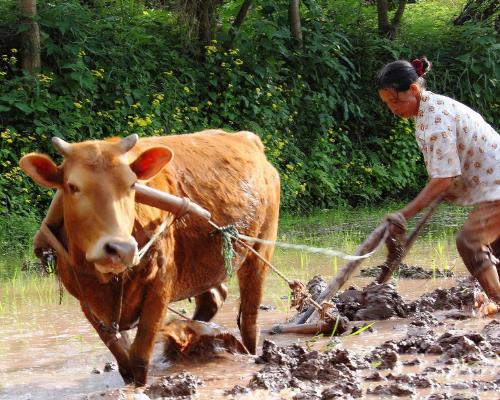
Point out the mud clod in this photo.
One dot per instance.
(413, 380)
(376, 301)
(424, 319)
(110, 366)
(272, 354)
(375, 376)
(177, 385)
(396, 389)
(309, 394)
(316, 286)
(457, 297)
(383, 358)
(409, 272)
(444, 396)
(271, 377)
(237, 390)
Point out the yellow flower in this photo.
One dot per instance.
(209, 103)
(168, 73)
(274, 106)
(186, 89)
(13, 51)
(211, 49)
(230, 85)
(238, 61)
(195, 109)
(98, 73)
(77, 104)
(81, 53)
(136, 105)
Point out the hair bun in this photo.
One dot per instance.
(421, 65)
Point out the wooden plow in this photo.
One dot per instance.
(312, 320)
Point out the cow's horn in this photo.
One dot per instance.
(61, 146)
(128, 142)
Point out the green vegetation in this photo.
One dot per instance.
(121, 67)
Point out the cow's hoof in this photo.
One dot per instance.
(127, 376)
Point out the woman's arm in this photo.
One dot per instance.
(434, 188)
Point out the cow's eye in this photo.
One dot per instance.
(73, 188)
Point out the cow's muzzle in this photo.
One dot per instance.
(113, 254)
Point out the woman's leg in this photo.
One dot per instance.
(481, 230)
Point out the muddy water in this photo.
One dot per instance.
(49, 351)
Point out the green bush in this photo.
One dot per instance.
(127, 69)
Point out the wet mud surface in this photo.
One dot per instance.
(430, 346)
(431, 360)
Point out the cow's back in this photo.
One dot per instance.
(229, 175)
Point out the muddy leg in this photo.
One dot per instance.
(251, 277)
(208, 303)
(495, 249)
(477, 243)
(150, 323)
(119, 348)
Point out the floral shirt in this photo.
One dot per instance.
(457, 142)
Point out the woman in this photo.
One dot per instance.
(462, 156)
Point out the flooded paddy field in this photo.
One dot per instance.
(49, 350)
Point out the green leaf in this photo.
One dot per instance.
(24, 107)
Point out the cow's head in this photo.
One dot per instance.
(97, 181)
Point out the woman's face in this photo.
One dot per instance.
(403, 104)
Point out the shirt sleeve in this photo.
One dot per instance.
(440, 132)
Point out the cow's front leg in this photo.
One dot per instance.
(118, 347)
(150, 323)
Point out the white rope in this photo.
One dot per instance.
(310, 249)
(153, 238)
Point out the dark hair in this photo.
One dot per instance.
(400, 74)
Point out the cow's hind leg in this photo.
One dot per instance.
(208, 303)
(251, 276)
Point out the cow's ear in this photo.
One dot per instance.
(150, 162)
(42, 170)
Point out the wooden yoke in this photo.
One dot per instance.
(179, 206)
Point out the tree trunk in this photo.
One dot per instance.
(386, 28)
(383, 17)
(30, 52)
(480, 10)
(294, 20)
(242, 13)
(396, 19)
(204, 23)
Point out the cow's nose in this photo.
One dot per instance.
(114, 250)
(126, 252)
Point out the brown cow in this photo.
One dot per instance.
(226, 173)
